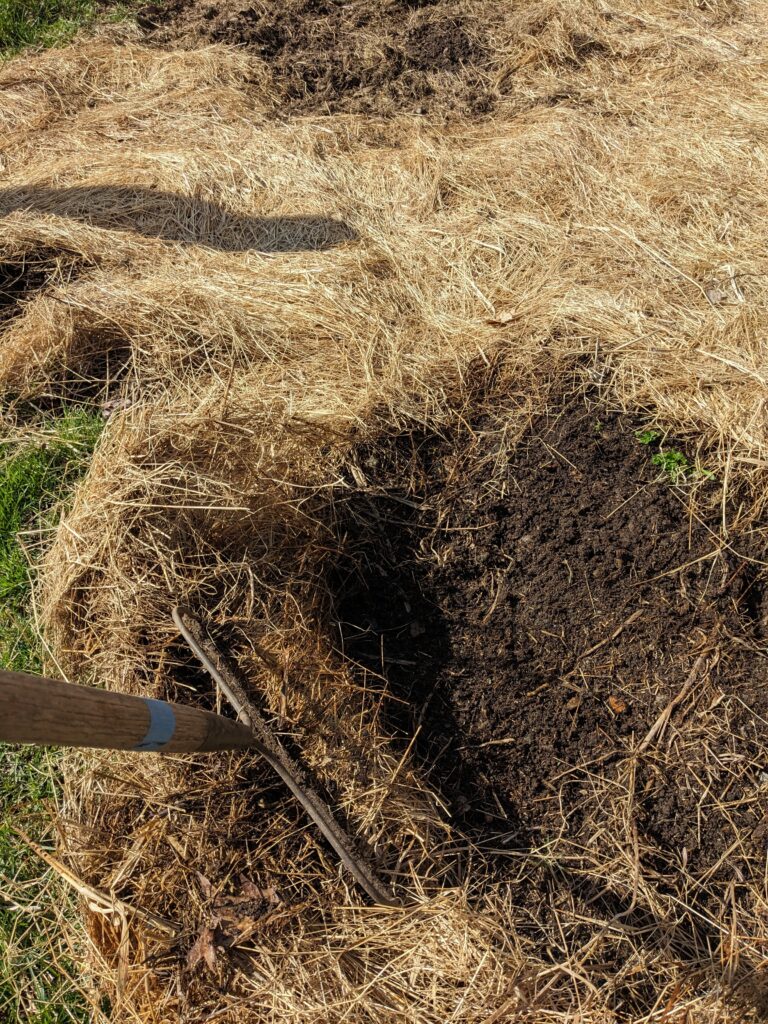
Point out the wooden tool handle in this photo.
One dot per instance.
(47, 711)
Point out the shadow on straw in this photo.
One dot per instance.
(179, 218)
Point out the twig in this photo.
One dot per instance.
(229, 681)
(660, 724)
(613, 636)
(601, 643)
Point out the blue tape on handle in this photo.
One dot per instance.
(162, 725)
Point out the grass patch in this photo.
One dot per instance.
(648, 436)
(33, 482)
(35, 984)
(36, 478)
(42, 23)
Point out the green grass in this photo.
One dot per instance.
(41, 23)
(36, 480)
(34, 984)
(33, 482)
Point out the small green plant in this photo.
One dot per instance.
(674, 464)
(648, 436)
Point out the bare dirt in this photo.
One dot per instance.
(19, 280)
(327, 56)
(535, 609)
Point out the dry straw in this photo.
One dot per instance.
(262, 294)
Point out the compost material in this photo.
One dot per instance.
(334, 57)
(536, 607)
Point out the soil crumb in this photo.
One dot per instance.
(331, 57)
(536, 607)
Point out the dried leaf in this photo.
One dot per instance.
(503, 319)
(203, 949)
(206, 887)
(114, 405)
(249, 890)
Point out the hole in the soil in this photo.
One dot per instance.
(15, 282)
(187, 681)
(91, 373)
(97, 357)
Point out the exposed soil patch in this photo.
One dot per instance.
(327, 56)
(537, 609)
(18, 280)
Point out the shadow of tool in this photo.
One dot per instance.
(179, 218)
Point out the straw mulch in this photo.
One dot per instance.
(255, 296)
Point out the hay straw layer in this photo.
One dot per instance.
(258, 296)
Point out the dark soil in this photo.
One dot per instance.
(536, 610)
(331, 56)
(18, 280)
